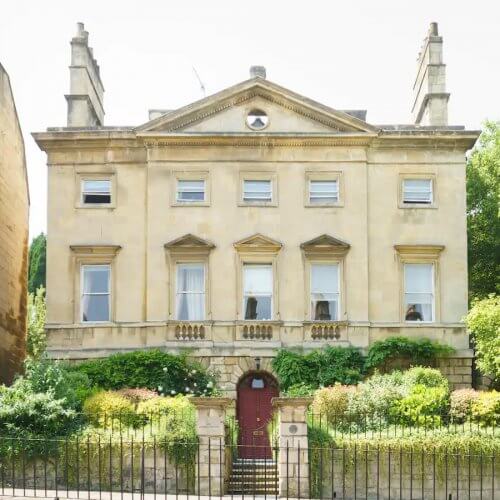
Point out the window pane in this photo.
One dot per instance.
(258, 308)
(96, 279)
(190, 306)
(191, 278)
(95, 307)
(97, 186)
(324, 307)
(323, 191)
(418, 309)
(191, 190)
(418, 278)
(257, 190)
(96, 191)
(324, 278)
(417, 190)
(257, 280)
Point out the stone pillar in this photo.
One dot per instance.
(210, 469)
(293, 456)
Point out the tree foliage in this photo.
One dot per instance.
(37, 263)
(36, 341)
(483, 320)
(483, 222)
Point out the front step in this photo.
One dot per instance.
(254, 476)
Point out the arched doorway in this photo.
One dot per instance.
(254, 411)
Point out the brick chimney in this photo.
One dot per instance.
(85, 100)
(430, 99)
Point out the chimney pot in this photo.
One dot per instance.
(433, 30)
(257, 71)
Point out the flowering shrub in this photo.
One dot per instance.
(137, 395)
(332, 402)
(486, 408)
(107, 407)
(461, 402)
(155, 370)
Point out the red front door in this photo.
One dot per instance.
(255, 393)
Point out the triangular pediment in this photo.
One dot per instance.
(258, 242)
(189, 241)
(225, 112)
(325, 244)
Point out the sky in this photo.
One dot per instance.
(348, 55)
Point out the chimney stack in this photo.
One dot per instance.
(85, 100)
(259, 71)
(430, 99)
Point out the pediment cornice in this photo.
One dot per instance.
(325, 245)
(258, 243)
(257, 87)
(189, 243)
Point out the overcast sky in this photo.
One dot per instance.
(348, 55)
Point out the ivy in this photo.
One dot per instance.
(415, 351)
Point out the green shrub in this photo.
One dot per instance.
(136, 396)
(155, 370)
(461, 402)
(384, 353)
(318, 368)
(486, 409)
(483, 320)
(331, 403)
(424, 406)
(106, 408)
(421, 375)
(32, 416)
(299, 390)
(375, 397)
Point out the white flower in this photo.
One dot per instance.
(165, 369)
(187, 389)
(160, 388)
(195, 384)
(172, 392)
(209, 384)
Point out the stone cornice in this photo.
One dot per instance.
(280, 402)
(95, 250)
(416, 251)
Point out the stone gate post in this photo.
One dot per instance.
(293, 455)
(210, 469)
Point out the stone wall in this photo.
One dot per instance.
(458, 371)
(14, 207)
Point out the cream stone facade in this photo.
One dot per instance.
(14, 210)
(364, 232)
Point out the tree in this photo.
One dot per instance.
(36, 341)
(483, 222)
(37, 263)
(483, 320)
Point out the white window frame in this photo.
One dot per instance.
(312, 292)
(319, 202)
(203, 266)
(253, 200)
(190, 202)
(431, 177)
(433, 292)
(82, 175)
(268, 265)
(415, 202)
(323, 176)
(82, 293)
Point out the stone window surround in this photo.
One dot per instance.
(183, 251)
(419, 254)
(104, 173)
(257, 249)
(324, 175)
(258, 175)
(190, 175)
(419, 175)
(317, 253)
(93, 254)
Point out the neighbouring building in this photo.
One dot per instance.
(255, 219)
(14, 211)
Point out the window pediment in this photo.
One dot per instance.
(325, 244)
(419, 251)
(95, 250)
(258, 243)
(189, 243)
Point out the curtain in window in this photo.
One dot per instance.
(190, 292)
(258, 291)
(95, 293)
(419, 292)
(324, 292)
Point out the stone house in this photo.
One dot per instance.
(14, 210)
(255, 219)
